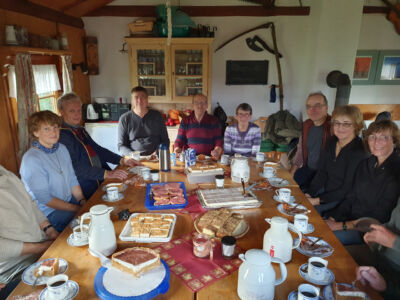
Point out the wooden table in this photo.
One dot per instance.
(83, 267)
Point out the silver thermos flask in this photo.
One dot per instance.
(164, 158)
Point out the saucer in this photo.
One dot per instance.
(74, 243)
(293, 296)
(292, 199)
(105, 198)
(310, 229)
(324, 249)
(328, 279)
(29, 278)
(73, 288)
(278, 182)
(262, 175)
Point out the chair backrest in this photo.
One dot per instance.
(262, 123)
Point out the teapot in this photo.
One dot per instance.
(278, 242)
(256, 277)
(101, 231)
(240, 169)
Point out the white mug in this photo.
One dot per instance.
(301, 222)
(112, 193)
(145, 173)
(80, 236)
(269, 172)
(225, 159)
(283, 194)
(317, 268)
(57, 287)
(307, 291)
(260, 156)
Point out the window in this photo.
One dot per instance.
(48, 101)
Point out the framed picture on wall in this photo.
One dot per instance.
(388, 69)
(365, 67)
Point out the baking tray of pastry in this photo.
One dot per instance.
(148, 228)
(228, 198)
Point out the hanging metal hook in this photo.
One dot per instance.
(123, 50)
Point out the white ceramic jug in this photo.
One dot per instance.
(256, 277)
(278, 242)
(240, 169)
(101, 230)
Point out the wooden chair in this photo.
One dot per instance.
(262, 123)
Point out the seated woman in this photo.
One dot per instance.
(244, 137)
(47, 172)
(376, 185)
(338, 160)
(25, 233)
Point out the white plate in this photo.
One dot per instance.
(310, 229)
(124, 187)
(125, 234)
(73, 288)
(293, 296)
(317, 252)
(73, 243)
(328, 279)
(105, 198)
(206, 158)
(278, 182)
(292, 199)
(281, 210)
(328, 294)
(29, 278)
(136, 170)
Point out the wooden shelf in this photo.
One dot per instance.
(188, 76)
(151, 76)
(31, 50)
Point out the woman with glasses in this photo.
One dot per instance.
(47, 173)
(376, 186)
(244, 137)
(338, 160)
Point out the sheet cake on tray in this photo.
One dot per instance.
(227, 197)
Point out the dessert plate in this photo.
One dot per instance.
(321, 249)
(29, 278)
(74, 243)
(293, 296)
(283, 211)
(237, 236)
(73, 289)
(329, 277)
(278, 182)
(292, 199)
(105, 198)
(328, 293)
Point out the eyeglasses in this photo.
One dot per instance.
(379, 138)
(243, 114)
(345, 125)
(316, 106)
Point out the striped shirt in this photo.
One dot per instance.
(245, 143)
(203, 136)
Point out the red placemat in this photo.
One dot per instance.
(194, 207)
(196, 273)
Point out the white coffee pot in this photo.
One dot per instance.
(101, 230)
(256, 277)
(278, 241)
(240, 169)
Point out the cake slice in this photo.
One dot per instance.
(136, 260)
(47, 268)
(347, 292)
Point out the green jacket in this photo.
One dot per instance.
(282, 127)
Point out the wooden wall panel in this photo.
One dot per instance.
(370, 111)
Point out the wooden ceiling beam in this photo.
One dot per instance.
(85, 7)
(202, 11)
(32, 9)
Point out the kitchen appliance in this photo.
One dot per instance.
(240, 169)
(164, 158)
(101, 230)
(256, 276)
(278, 242)
(91, 113)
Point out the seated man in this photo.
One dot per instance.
(88, 158)
(200, 131)
(25, 233)
(244, 137)
(316, 130)
(141, 129)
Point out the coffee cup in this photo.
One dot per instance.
(80, 234)
(283, 194)
(154, 175)
(301, 222)
(57, 287)
(317, 268)
(269, 172)
(135, 155)
(219, 181)
(224, 159)
(260, 157)
(307, 291)
(271, 164)
(112, 193)
(145, 173)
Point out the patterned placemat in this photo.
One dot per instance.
(194, 207)
(196, 273)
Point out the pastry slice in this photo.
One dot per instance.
(136, 260)
(347, 292)
(47, 268)
(159, 233)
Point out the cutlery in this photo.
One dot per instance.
(317, 240)
(35, 282)
(244, 190)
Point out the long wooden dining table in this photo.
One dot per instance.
(83, 266)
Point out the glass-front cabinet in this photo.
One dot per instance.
(171, 73)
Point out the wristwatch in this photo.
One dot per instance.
(47, 227)
(344, 225)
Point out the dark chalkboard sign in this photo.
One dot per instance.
(246, 72)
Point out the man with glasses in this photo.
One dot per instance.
(316, 131)
(200, 130)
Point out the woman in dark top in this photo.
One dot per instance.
(338, 160)
(376, 186)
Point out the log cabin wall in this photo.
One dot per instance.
(8, 157)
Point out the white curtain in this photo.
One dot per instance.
(67, 73)
(46, 79)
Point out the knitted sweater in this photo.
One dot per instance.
(246, 143)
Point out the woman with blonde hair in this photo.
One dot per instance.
(338, 160)
(47, 173)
